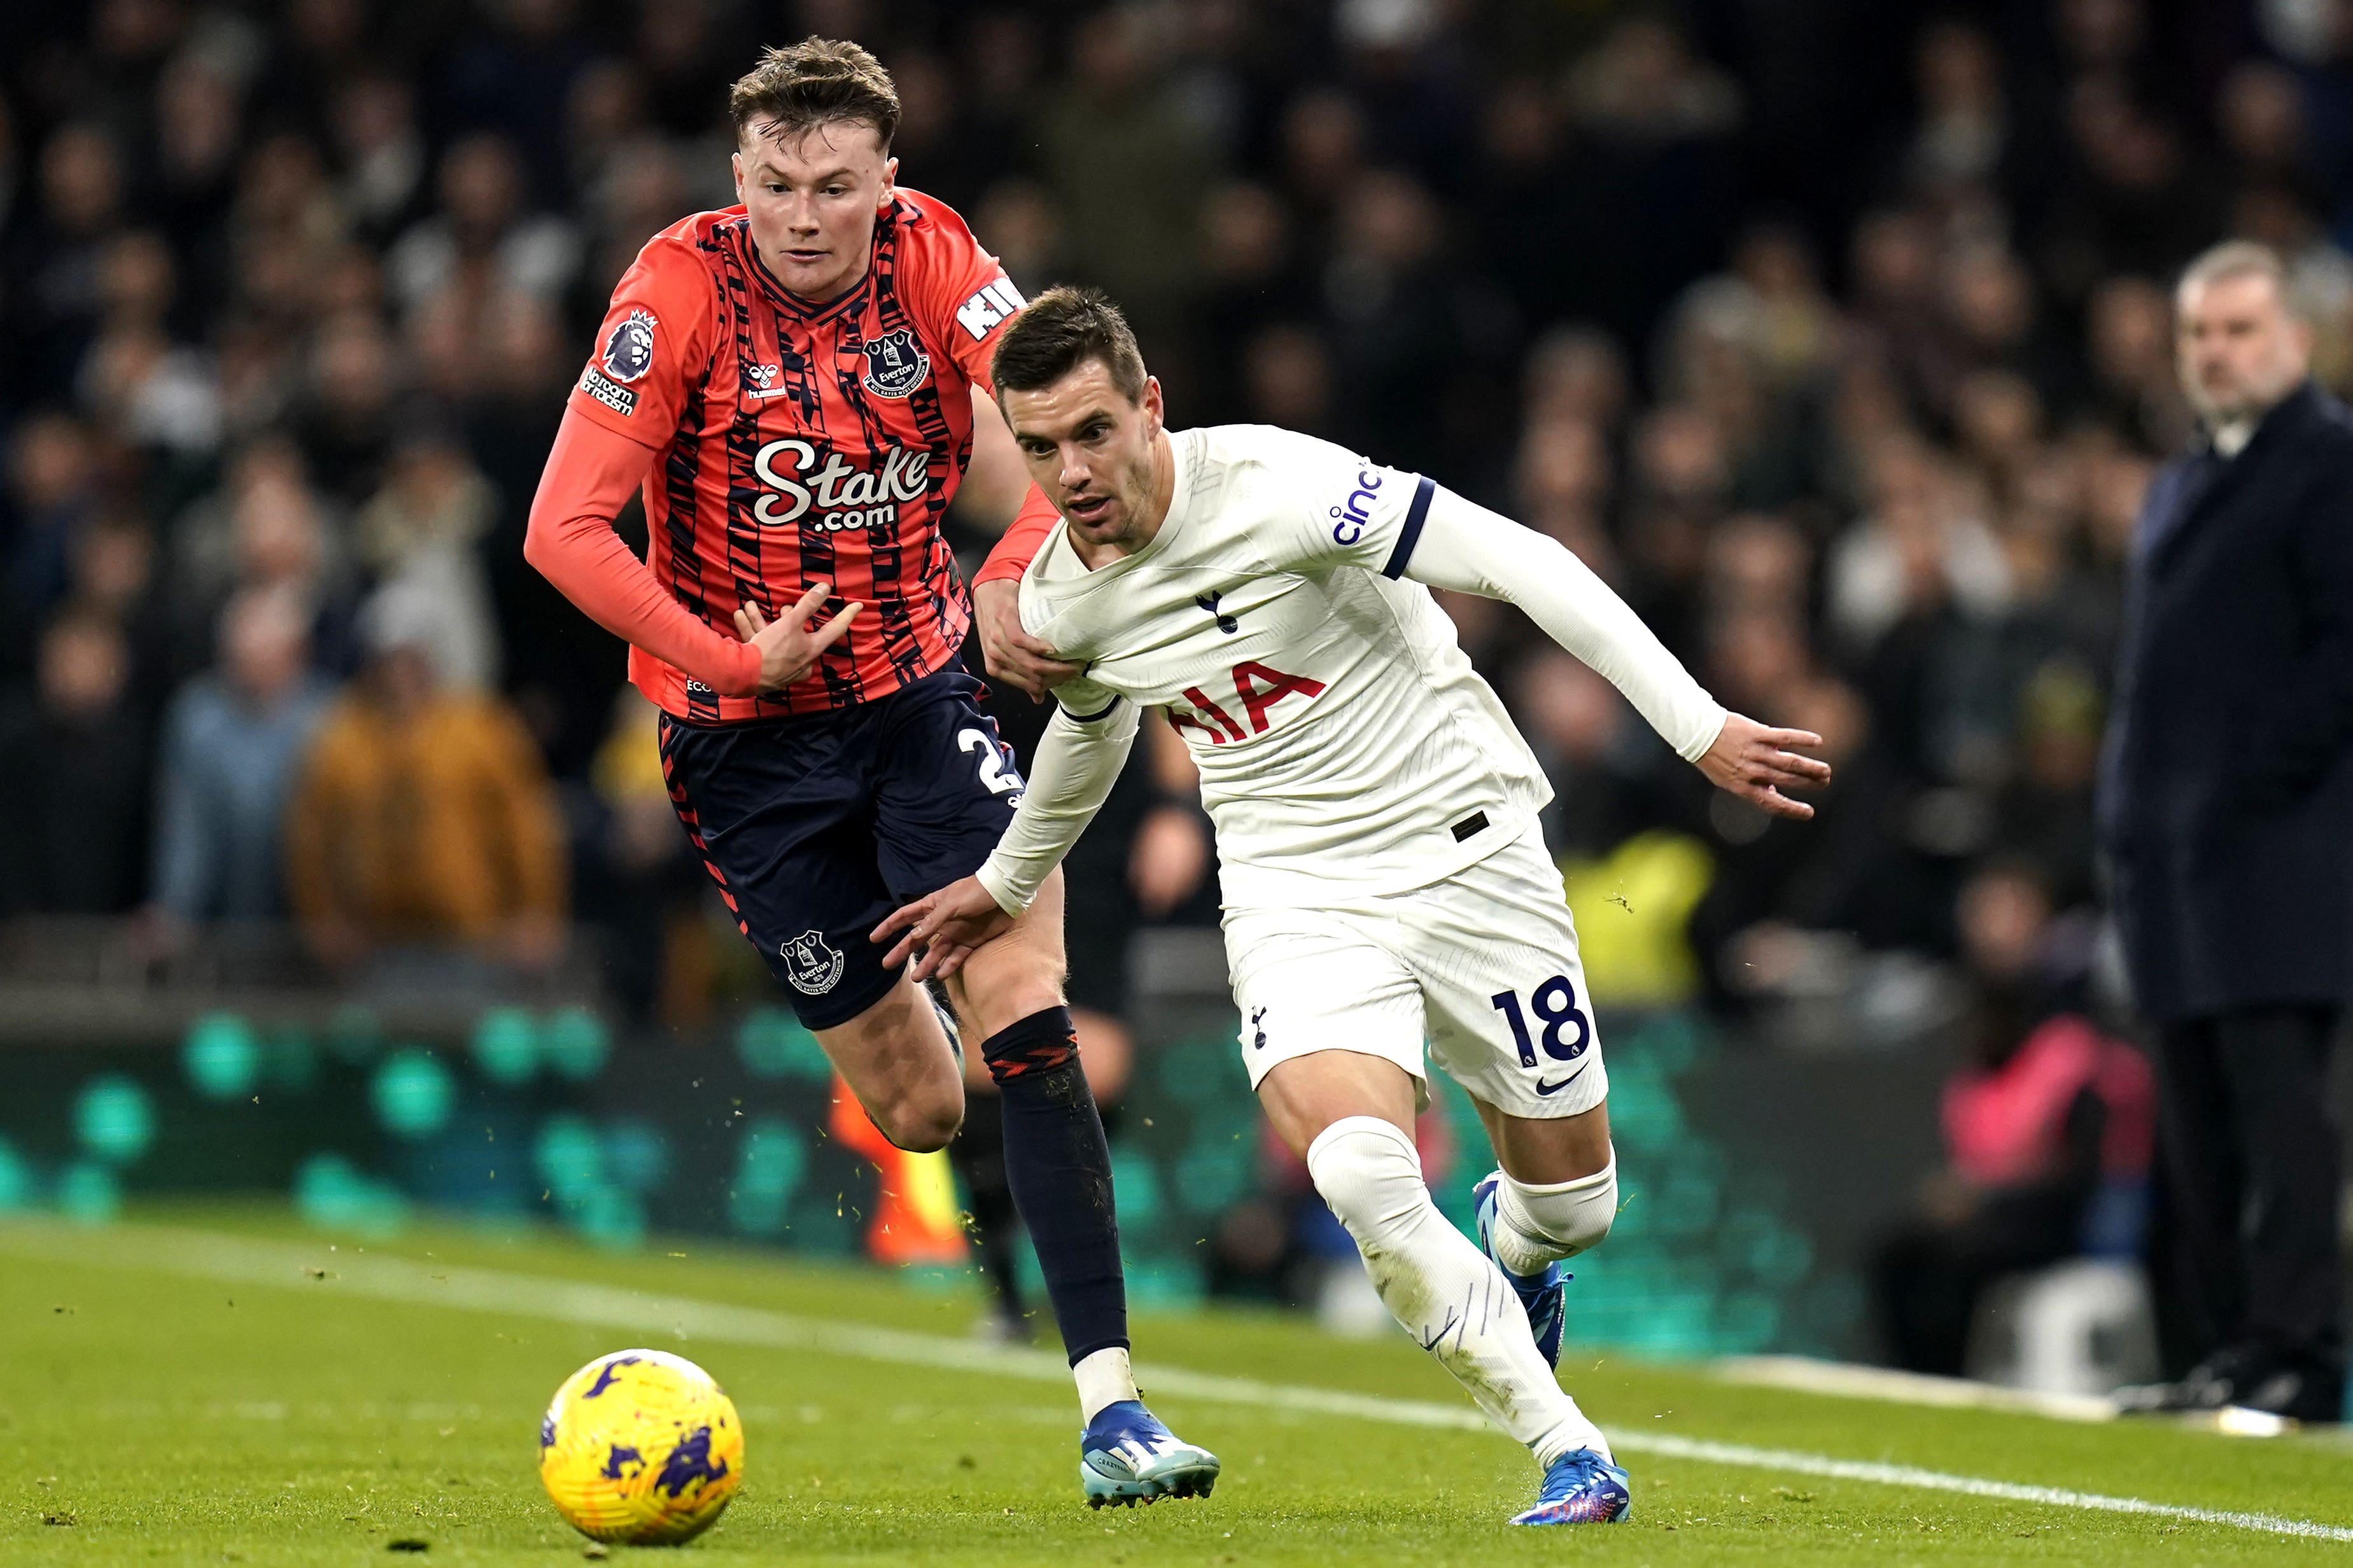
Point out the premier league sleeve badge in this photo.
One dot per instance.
(629, 347)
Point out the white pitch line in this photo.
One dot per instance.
(1843, 1380)
(289, 1266)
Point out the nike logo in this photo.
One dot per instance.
(1544, 1087)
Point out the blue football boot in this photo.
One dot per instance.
(1581, 1488)
(1127, 1456)
(1541, 1294)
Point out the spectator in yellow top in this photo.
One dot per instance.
(423, 818)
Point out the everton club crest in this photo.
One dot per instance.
(895, 363)
(812, 964)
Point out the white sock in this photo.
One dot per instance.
(1537, 1225)
(1104, 1378)
(1437, 1284)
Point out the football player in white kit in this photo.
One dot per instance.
(1384, 880)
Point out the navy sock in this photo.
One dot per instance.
(1060, 1170)
(978, 1156)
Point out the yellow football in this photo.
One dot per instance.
(640, 1446)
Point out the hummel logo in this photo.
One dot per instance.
(1226, 623)
(1256, 1014)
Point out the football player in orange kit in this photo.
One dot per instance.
(790, 383)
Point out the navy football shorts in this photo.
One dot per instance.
(816, 827)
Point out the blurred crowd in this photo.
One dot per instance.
(1836, 338)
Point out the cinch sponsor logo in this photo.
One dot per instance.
(840, 495)
(1353, 518)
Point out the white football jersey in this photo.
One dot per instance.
(1345, 745)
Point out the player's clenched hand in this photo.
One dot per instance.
(1012, 655)
(1755, 763)
(947, 926)
(788, 649)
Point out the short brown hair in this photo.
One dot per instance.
(815, 82)
(1060, 330)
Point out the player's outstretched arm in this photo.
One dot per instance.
(591, 473)
(1467, 548)
(1079, 759)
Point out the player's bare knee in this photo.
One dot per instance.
(923, 1105)
(922, 1124)
(930, 1134)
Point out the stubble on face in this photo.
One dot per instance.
(2239, 348)
(1112, 504)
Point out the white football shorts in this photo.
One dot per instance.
(1483, 965)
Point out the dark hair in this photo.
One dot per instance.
(815, 82)
(1060, 330)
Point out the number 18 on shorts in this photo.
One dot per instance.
(1482, 966)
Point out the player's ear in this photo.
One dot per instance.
(1156, 409)
(736, 163)
(889, 181)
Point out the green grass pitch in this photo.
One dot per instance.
(218, 1385)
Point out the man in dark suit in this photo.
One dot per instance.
(2226, 809)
